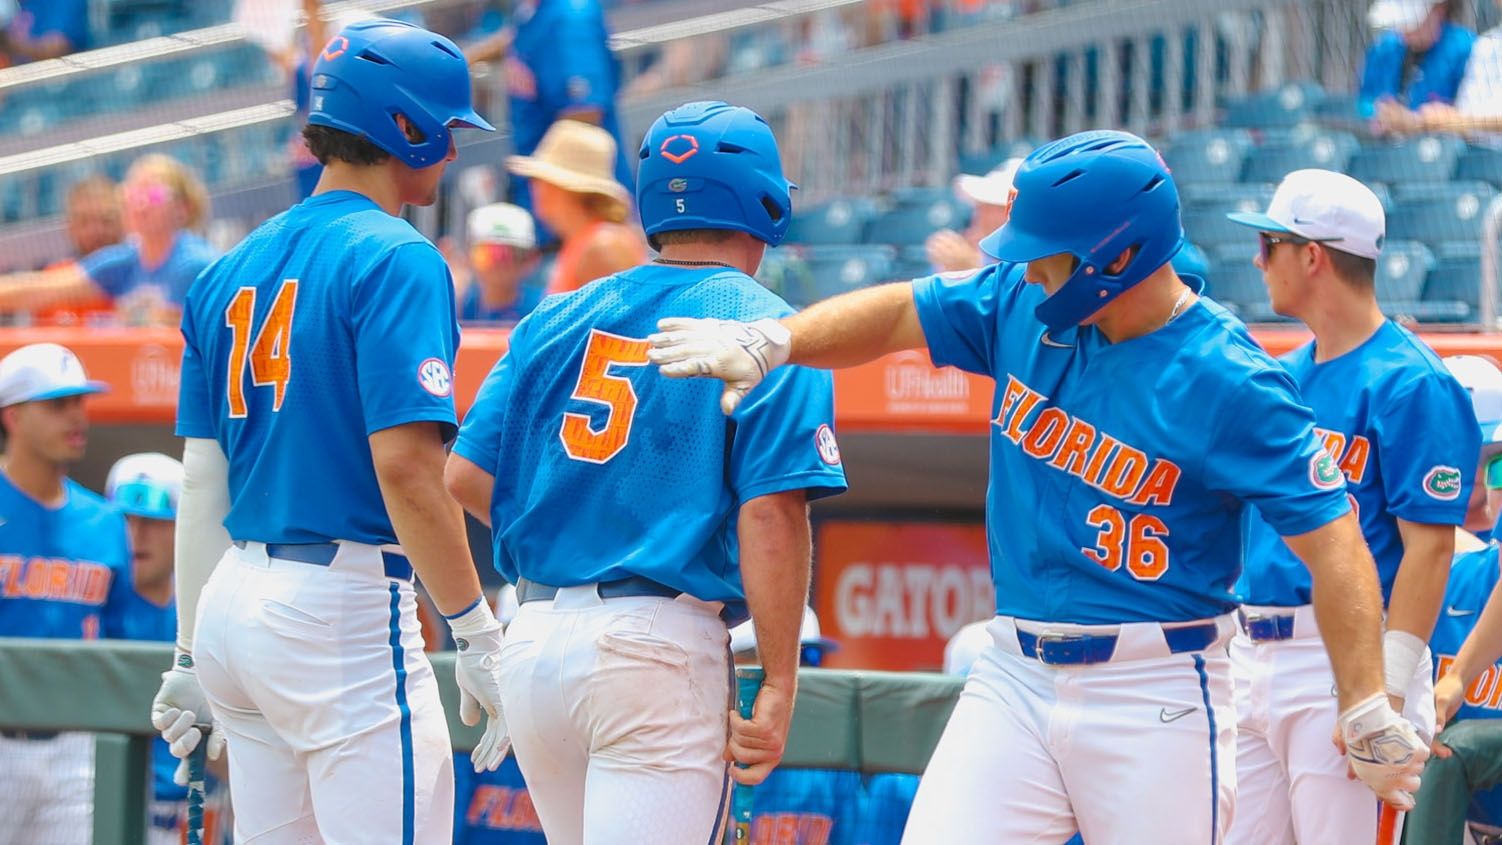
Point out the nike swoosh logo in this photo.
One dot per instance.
(1449, 611)
(1166, 716)
(1050, 342)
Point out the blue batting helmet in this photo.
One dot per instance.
(1093, 195)
(374, 70)
(712, 165)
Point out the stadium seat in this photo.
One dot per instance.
(1447, 213)
(1209, 227)
(1428, 159)
(838, 221)
(1456, 281)
(912, 263)
(1401, 271)
(1482, 164)
(1213, 156)
(1237, 285)
(911, 224)
(1272, 161)
(837, 269)
(1288, 105)
(1244, 196)
(784, 272)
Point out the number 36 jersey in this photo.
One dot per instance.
(329, 322)
(604, 468)
(1119, 472)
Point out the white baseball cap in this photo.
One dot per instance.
(43, 371)
(1399, 15)
(994, 188)
(743, 636)
(146, 484)
(502, 223)
(1483, 380)
(1323, 206)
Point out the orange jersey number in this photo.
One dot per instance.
(270, 356)
(1138, 543)
(581, 441)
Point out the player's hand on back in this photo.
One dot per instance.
(1384, 750)
(739, 354)
(181, 713)
(477, 672)
(758, 743)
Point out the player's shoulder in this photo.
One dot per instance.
(1399, 362)
(1473, 576)
(84, 503)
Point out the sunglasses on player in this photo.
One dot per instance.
(1266, 242)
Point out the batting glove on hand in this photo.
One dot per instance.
(181, 713)
(739, 354)
(1384, 750)
(477, 671)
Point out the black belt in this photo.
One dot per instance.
(528, 590)
(322, 554)
(1084, 649)
(1268, 628)
(31, 735)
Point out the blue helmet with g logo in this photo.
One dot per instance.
(711, 165)
(1093, 195)
(373, 71)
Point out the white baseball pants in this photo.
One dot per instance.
(317, 674)
(1139, 750)
(47, 790)
(1293, 784)
(618, 714)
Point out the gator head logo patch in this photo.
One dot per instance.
(1323, 471)
(1443, 483)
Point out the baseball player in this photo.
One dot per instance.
(316, 398)
(635, 519)
(496, 285)
(146, 488)
(64, 573)
(1463, 781)
(1133, 422)
(1398, 426)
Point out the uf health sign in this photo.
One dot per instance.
(893, 593)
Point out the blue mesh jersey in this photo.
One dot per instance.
(604, 468)
(1403, 432)
(1473, 576)
(64, 571)
(493, 808)
(142, 620)
(1119, 472)
(329, 322)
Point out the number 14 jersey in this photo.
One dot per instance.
(329, 322)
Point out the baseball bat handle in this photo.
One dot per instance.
(747, 684)
(197, 775)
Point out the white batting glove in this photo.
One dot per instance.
(477, 671)
(180, 712)
(739, 354)
(1384, 750)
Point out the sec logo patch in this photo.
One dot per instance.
(829, 449)
(434, 376)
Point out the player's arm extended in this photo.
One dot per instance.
(45, 288)
(409, 461)
(470, 486)
(1417, 595)
(201, 538)
(775, 554)
(1347, 605)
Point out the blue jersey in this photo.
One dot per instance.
(1434, 77)
(1473, 577)
(118, 269)
(886, 801)
(328, 323)
(561, 63)
(1403, 433)
(493, 808)
(1119, 472)
(68, 18)
(473, 310)
(142, 620)
(64, 571)
(807, 807)
(604, 468)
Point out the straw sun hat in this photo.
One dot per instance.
(577, 157)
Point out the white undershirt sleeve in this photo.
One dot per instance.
(201, 537)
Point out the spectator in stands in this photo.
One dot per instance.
(991, 198)
(1478, 106)
(558, 65)
(93, 215)
(496, 284)
(1417, 57)
(45, 29)
(146, 276)
(575, 195)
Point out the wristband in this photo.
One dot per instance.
(1401, 654)
(477, 619)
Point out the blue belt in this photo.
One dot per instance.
(528, 590)
(322, 554)
(1268, 629)
(30, 735)
(1084, 649)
